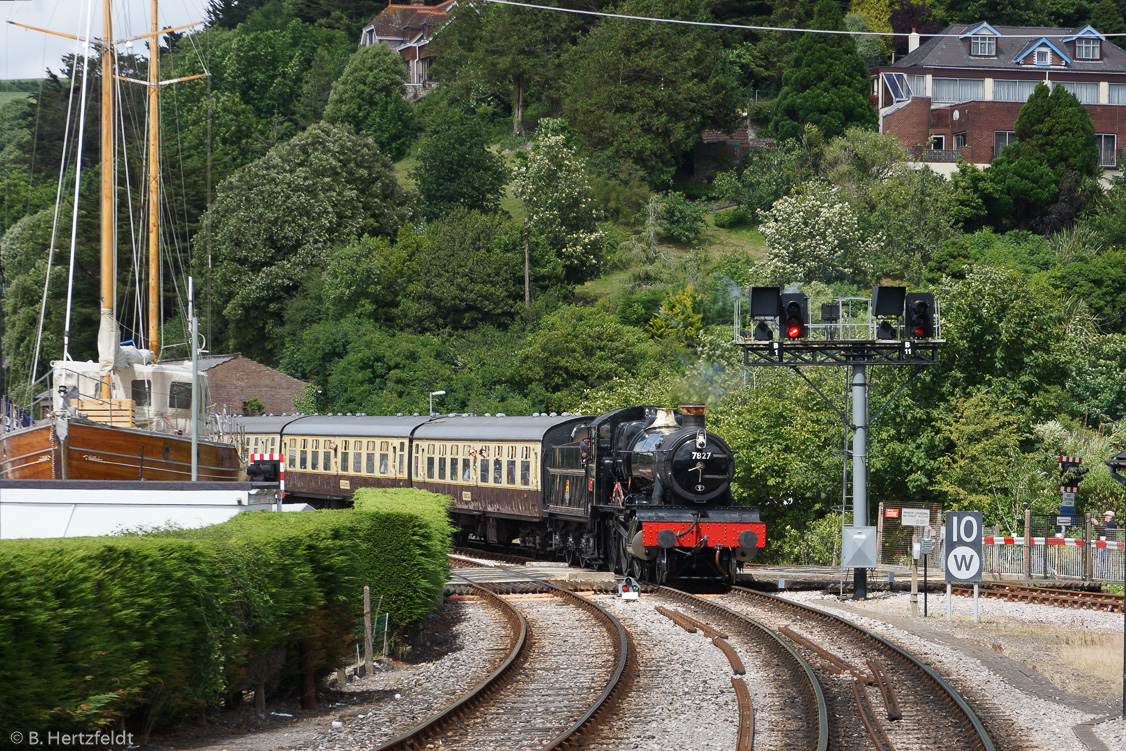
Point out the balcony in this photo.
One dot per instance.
(923, 154)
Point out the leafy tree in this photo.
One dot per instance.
(469, 273)
(281, 215)
(1098, 386)
(679, 318)
(815, 237)
(576, 349)
(764, 176)
(907, 15)
(985, 467)
(554, 188)
(456, 169)
(1107, 18)
(1100, 281)
(1006, 334)
(369, 97)
(680, 217)
(1055, 129)
(646, 91)
(827, 86)
(869, 48)
(506, 50)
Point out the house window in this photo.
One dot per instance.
(180, 396)
(1086, 93)
(938, 142)
(1043, 56)
(142, 393)
(1001, 139)
(958, 89)
(959, 140)
(917, 84)
(1087, 49)
(1117, 93)
(1013, 91)
(1108, 149)
(984, 46)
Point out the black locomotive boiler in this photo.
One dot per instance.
(644, 491)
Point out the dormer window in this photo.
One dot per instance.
(1043, 56)
(983, 46)
(1087, 49)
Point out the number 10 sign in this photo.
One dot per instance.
(963, 546)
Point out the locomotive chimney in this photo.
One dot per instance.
(693, 416)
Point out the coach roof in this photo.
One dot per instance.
(493, 428)
(333, 425)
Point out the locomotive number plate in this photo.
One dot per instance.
(701, 455)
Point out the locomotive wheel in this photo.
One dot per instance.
(662, 566)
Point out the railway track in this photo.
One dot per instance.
(1062, 598)
(779, 686)
(879, 695)
(564, 673)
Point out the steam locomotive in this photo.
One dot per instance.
(643, 491)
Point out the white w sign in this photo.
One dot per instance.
(963, 546)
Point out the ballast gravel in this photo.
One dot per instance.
(1049, 716)
(682, 697)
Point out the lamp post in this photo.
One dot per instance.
(432, 395)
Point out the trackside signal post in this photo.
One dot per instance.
(890, 328)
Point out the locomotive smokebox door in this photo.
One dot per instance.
(629, 589)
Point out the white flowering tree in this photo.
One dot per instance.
(552, 183)
(814, 236)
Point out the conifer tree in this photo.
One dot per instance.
(826, 85)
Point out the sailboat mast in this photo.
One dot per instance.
(154, 187)
(108, 213)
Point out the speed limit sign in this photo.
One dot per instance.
(963, 546)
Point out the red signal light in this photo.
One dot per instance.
(793, 332)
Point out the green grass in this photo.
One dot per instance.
(11, 96)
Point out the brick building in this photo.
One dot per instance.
(234, 380)
(958, 95)
(408, 29)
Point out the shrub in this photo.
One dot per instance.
(681, 218)
(96, 630)
(733, 218)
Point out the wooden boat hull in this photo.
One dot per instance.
(85, 450)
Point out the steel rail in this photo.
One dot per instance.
(615, 688)
(973, 725)
(415, 738)
(868, 717)
(811, 687)
(1074, 599)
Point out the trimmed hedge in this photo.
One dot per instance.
(157, 627)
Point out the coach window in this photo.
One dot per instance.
(304, 455)
(370, 455)
(442, 462)
(402, 470)
(394, 460)
(273, 444)
(384, 447)
(498, 471)
(525, 473)
(327, 460)
(292, 458)
(417, 454)
(344, 465)
(483, 458)
(466, 466)
(316, 459)
(255, 449)
(511, 471)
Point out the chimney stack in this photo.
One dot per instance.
(913, 41)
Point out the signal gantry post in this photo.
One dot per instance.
(890, 328)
